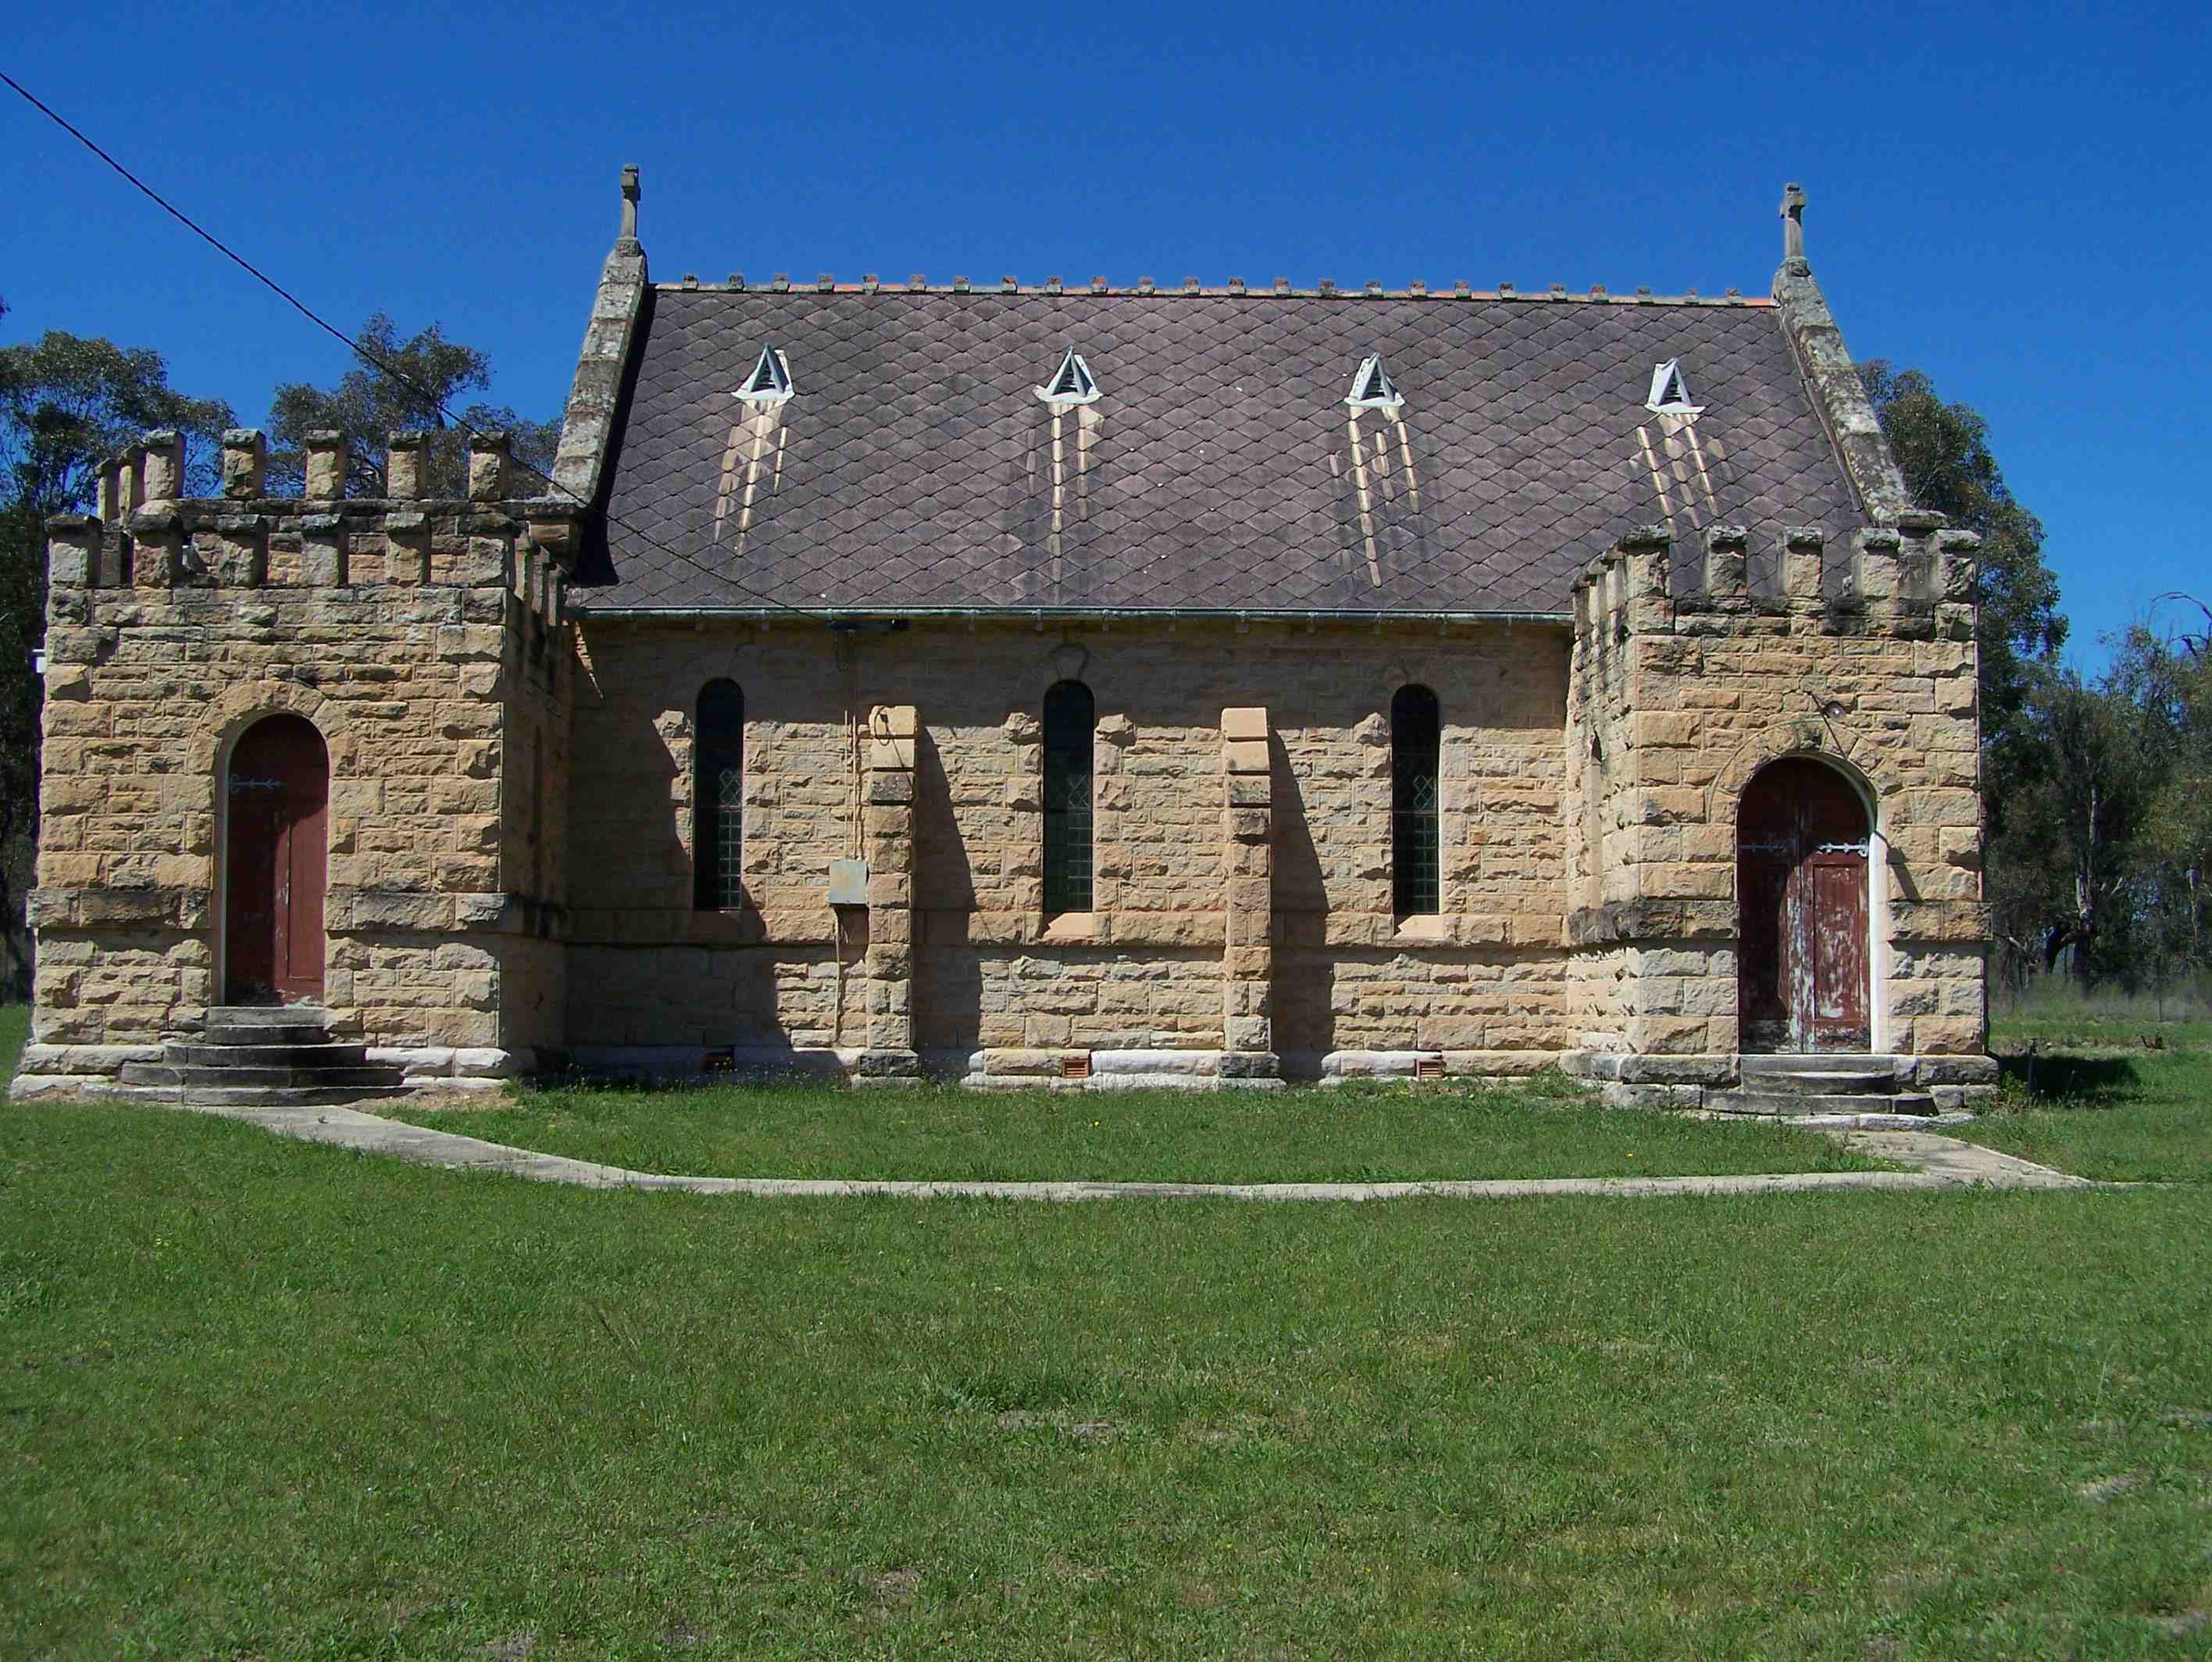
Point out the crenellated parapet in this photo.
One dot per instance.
(1913, 580)
(148, 536)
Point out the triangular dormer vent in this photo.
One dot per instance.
(770, 381)
(1670, 392)
(1371, 389)
(1070, 384)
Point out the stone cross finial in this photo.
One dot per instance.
(626, 241)
(1793, 230)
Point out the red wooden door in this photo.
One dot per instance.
(1802, 838)
(279, 795)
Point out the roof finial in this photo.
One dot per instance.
(1793, 231)
(626, 242)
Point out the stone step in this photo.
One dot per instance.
(1884, 1122)
(267, 1016)
(227, 1038)
(192, 1077)
(272, 1096)
(307, 1053)
(1820, 1081)
(1821, 1061)
(254, 1024)
(1793, 1105)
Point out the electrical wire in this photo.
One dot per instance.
(373, 360)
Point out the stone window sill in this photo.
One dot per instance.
(1427, 926)
(1070, 926)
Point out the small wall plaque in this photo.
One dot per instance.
(848, 883)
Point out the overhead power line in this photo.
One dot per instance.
(373, 360)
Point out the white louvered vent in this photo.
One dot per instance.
(1372, 389)
(770, 381)
(1070, 384)
(1670, 390)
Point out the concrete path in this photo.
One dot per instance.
(1944, 1162)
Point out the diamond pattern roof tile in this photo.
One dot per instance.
(1221, 467)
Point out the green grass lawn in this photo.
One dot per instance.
(2107, 1113)
(263, 1399)
(15, 1029)
(1540, 1129)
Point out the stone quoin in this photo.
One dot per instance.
(1075, 684)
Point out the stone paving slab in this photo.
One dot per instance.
(1943, 1162)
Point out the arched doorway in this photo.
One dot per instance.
(277, 795)
(1801, 882)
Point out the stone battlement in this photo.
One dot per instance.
(1912, 580)
(147, 535)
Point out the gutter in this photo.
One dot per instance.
(1040, 615)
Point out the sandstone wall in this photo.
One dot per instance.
(1424, 997)
(645, 968)
(764, 997)
(1146, 968)
(1068, 998)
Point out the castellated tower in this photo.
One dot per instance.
(1687, 685)
(400, 666)
(1773, 807)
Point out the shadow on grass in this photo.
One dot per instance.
(14, 1031)
(669, 1084)
(1547, 1088)
(2080, 1082)
(812, 1074)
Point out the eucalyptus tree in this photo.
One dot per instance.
(415, 384)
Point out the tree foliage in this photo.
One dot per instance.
(2098, 860)
(408, 385)
(1943, 451)
(2098, 793)
(2071, 821)
(2029, 710)
(2166, 676)
(66, 404)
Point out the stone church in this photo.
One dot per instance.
(1081, 682)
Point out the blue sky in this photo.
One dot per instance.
(2009, 198)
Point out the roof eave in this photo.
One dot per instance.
(583, 609)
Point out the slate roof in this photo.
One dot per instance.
(915, 469)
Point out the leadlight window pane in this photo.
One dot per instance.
(1416, 825)
(1070, 716)
(729, 837)
(717, 799)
